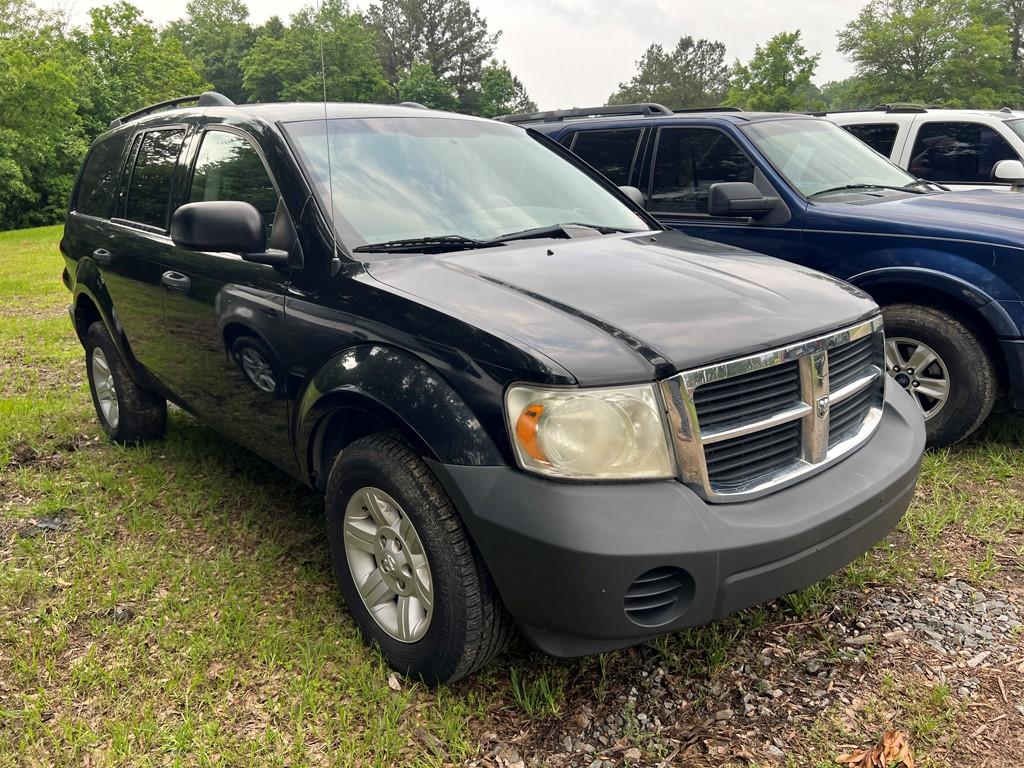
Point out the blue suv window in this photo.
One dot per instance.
(958, 152)
(688, 162)
(611, 152)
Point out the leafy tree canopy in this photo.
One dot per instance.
(216, 35)
(777, 78)
(693, 74)
(285, 65)
(449, 35)
(501, 92)
(939, 52)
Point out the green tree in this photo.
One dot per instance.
(216, 35)
(41, 134)
(948, 52)
(129, 65)
(449, 35)
(846, 94)
(287, 65)
(501, 92)
(777, 78)
(693, 74)
(421, 85)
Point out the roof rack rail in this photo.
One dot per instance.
(686, 110)
(901, 107)
(204, 99)
(620, 110)
(412, 104)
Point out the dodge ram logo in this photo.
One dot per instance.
(822, 406)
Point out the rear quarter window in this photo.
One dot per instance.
(96, 185)
(879, 136)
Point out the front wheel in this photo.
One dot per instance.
(410, 575)
(945, 368)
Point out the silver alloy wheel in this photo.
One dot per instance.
(918, 369)
(258, 369)
(106, 391)
(387, 562)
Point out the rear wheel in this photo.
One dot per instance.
(127, 412)
(944, 366)
(410, 575)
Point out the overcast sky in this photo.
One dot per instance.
(575, 52)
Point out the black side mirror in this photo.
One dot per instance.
(739, 198)
(225, 225)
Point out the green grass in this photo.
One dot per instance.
(184, 611)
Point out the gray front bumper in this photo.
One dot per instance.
(564, 554)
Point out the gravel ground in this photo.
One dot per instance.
(784, 678)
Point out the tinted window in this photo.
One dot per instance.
(149, 191)
(96, 186)
(958, 152)
(688, 162)
(228, 168)
(879, 136)
(611, 152)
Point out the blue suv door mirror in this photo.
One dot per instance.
(739, 198)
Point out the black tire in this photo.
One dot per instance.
(972, 379)
(469, 624)
(141, 414)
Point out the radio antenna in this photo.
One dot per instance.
(335, 261)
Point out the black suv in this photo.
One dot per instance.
(525, 401)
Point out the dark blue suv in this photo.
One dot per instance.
(945, 266)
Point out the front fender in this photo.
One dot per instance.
(968, 292)
(408, 390)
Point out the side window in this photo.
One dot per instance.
(958, 152)
(879, 136)
(611, 152)
(95, 196)
(149, 189)
(688, 162)
(229, 168)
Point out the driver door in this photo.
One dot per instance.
(224, 314)
(685, 162)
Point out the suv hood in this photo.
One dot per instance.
(622, 308)
(989, 215)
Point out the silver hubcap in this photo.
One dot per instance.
(106, 392)
(918, 369)
(387, 562)
(258, 369)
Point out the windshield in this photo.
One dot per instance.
(816, 155)
(1017, 126)
(401, 178)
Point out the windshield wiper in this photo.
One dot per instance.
(908, 188)
(555, 230)
(436, 244)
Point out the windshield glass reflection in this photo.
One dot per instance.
(402, 178)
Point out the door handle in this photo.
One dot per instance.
(103, 257)
(176, 281)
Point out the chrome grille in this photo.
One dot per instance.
(749, 426)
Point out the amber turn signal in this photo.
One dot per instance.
(526, 430)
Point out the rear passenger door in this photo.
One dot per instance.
(224, 316)
(615, 153)
(139, 242)
(686, 161)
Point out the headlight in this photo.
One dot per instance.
(589, 434)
